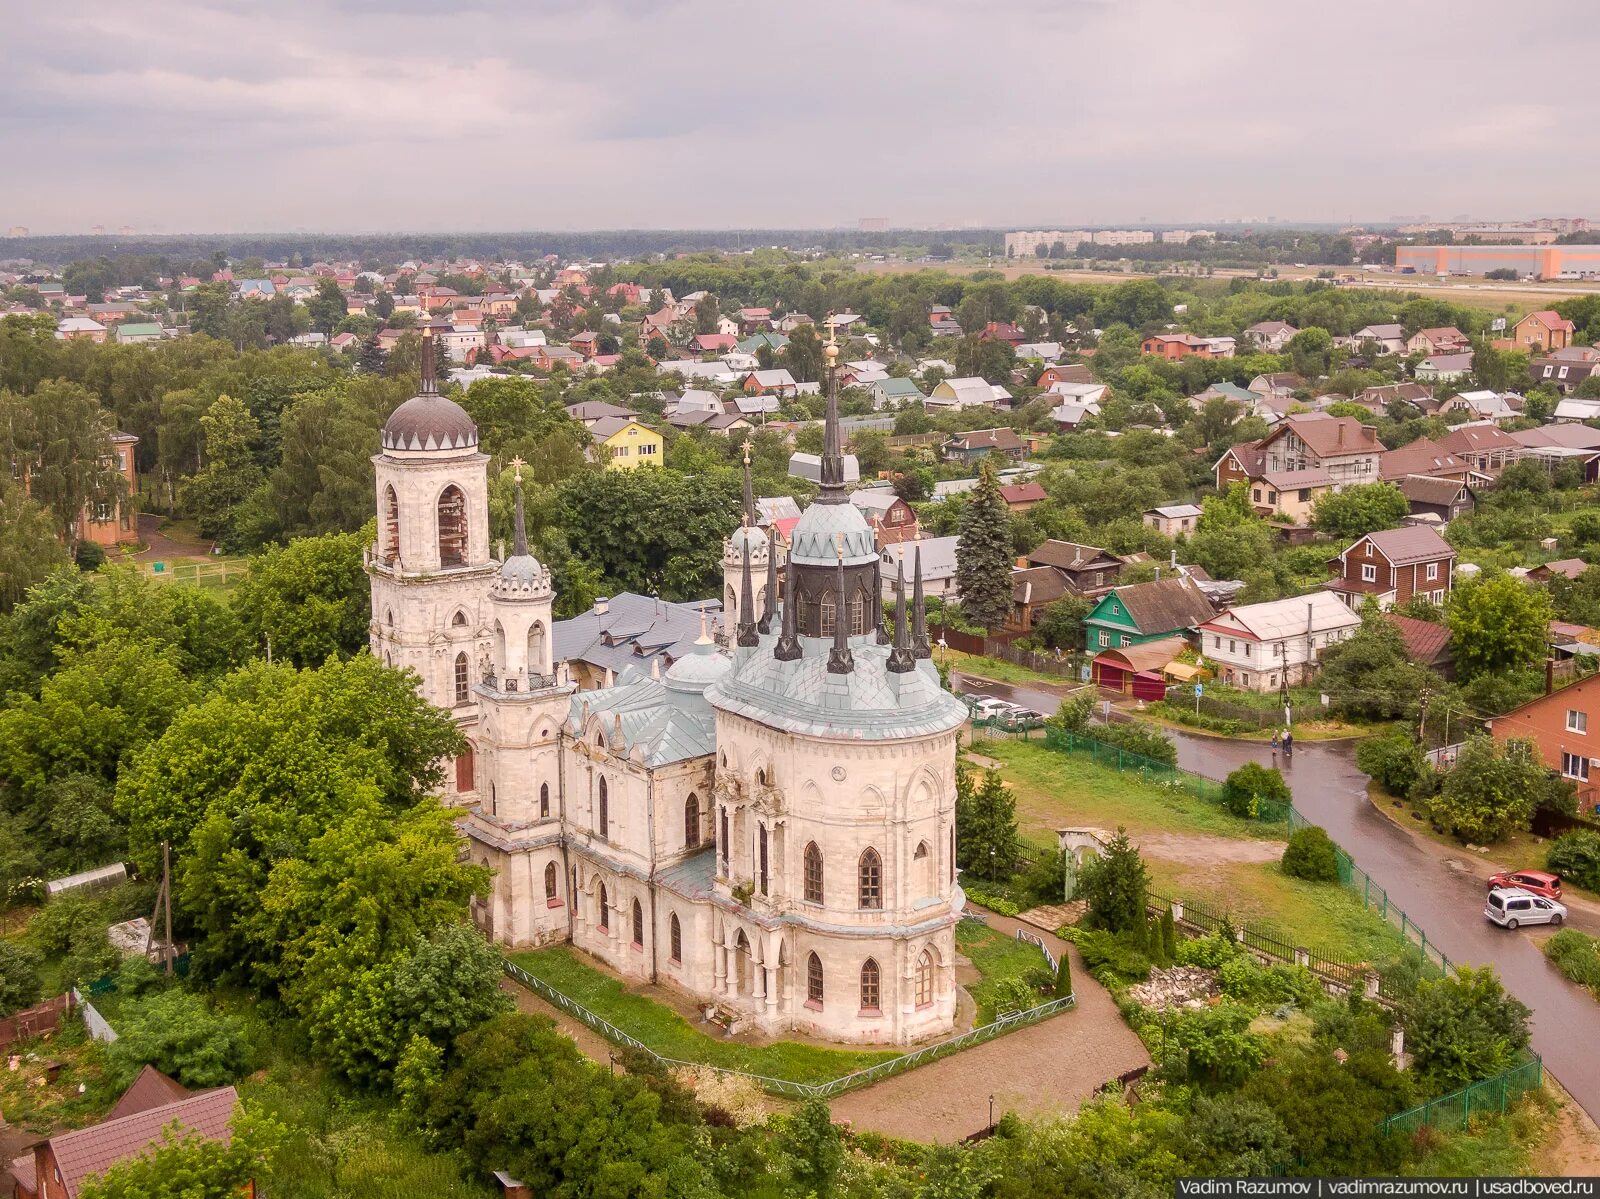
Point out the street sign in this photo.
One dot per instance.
(1199, 689)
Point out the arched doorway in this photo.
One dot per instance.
(741, 964)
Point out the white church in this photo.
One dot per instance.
(768, 827)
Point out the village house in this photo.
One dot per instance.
(1339, 446)
(1499, 407)
(1279, 385)
(1141, 612)
(772, 382)
(970, 392)
(1436, 499)
(1388, 339)
(1487, 449)
(1239, 464)
(1427, 644)
(890, 518)
(622, 443)
(1173, 346)
(1076, 372)
(938, 558)
(1033, 589)
(976, 444)
(1393, 565)
(1444, 368)
(1543, 331)
(1558, 724)
(1555, 444)
(1262, 647)
(1173, 520)
(892, 391)
(1289, 496)
(1269, 337)
(1378, 399)
(1087, 570)
(1020, 497)
(1444, 340)
(1424, 456)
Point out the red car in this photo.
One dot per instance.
(1539, 882)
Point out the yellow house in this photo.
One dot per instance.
(627, 442)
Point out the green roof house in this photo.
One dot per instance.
(774, 341)
(135, 332)
(893, 390)
(1143, 612)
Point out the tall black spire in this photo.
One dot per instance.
(840, 659)
(901, 659)
(788, 647)
(769, 603)
(747, 618)
(832, 465)
(919, 614)
(880, 633)
(749, 496)
(429, 383)
(519, 544)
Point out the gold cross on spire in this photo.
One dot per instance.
(747, 451)
(517, 464)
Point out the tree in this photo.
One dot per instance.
(1115, 885)
(707, 313)
(986, 826)
(370, 361)
(19, 976)
(1311, 855)
(1463, 1027)
(1357, 511)
(1498, 624)
(1060, 626)
(176, 1032)
(983, 553)
(1249, 785)
(1395, 761)
(448, 984)
(230, 473)
(58, 438)
(1228, 1136)
(308, 600)
(803, 355)
(1491, 791)
(1368, 676)
(195, 1167)
(985, 357)
(327, 307)
(29, 546)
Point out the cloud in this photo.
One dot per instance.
(407, 114)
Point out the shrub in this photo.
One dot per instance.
(1463, 1028)
(1219, 1046)
(1169, 935)
(1139, 739)
(1045, 881)
(1210, 951)
(179, 1035)
(1396, 762)
(1063, 976)
(1576, 857)
(1251, 785)
(138, 975)
(19, 977)
(1575, 955)
(987, 899)
(1113, 957)
(1311, 855)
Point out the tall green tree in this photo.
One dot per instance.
(986, 826)
(1498, 623)
(1357, 511)
(1116, 885)
(58, 438)
(983, 553)
(230, 475)
(1492, 790)
(327, 307)
(308, 600)
(29, 546)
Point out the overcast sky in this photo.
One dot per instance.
(257, 115)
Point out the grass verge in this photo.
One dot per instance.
(670, 1035)
(1003, 962)
(1001, 671)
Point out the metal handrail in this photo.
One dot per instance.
(784, 1086)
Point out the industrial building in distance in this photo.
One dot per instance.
(1539, 262)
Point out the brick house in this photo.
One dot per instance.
(1019, 497)
(114, 522)
(1173, 520)
(1392, 566)
(1173, 346)
(1238, 464)
(1340, 446)
(1075, 372)
(1558, 723)
(1543, 331)
(1427, 457)
(1445, 340)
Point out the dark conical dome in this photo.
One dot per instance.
(430, 422)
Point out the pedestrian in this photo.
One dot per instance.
(1288, 743)
(1274, 746)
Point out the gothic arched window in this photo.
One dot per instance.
(813, 873)
(924, 982)
(691, 822)
(391, 525)
(869, 985)
(463, 678)
(452, 527)
(871, 880)
(638, 925)
(677, 939)
(550, 881)
(814, 980)
(544, 799)
(605, 810)
(825, 623)
(459, 619)
(605, 910)
(858, 614)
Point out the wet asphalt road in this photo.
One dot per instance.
(1444, 896)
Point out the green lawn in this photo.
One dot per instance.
(998, 958)
(670, 1035)
(1000, 670)
(1059, 790)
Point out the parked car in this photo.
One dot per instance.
(1540, 882)
(1511, 907)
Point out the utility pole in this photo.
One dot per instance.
(166, 901)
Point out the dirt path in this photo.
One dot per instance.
(590, 1043)
(1047, 1069)
(1202, 849)
(161, 548)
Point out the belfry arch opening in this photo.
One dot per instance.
(452, 527)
